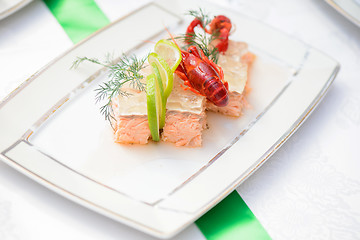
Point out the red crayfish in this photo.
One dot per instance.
(219, 25)
(203, 75)
(199, 72)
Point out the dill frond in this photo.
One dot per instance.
(200, 38)
(201, 15)
(79, 60)
(126, 70)
(202, 41)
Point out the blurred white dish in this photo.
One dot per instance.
(348, 8)
(8, 7)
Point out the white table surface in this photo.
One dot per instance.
(309, 189)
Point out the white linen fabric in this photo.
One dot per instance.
(309, 189)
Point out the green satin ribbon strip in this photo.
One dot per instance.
(78, 18)
(231, 219)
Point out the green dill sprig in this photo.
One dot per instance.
(126, 70)
(203, 17)
(201, 39)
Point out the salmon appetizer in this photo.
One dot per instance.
(166, 99)
(236, 63)
(130, 121)
(185, 116)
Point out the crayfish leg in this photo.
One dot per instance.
(182, 76)
(187, 83)
(180, 73)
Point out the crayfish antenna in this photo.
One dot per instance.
(171, 36)
(148, 41)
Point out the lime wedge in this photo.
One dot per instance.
(165, 72)
(153, 106)
(159, 84)
(170, 52)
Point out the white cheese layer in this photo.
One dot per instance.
(235, 72)
(184, 100)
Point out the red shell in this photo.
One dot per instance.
(201, 76)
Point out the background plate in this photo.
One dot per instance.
(348, 8)
(8, 7)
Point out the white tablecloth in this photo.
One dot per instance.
(309, 189)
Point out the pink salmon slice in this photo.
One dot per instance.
(185, 117)
(236, 63)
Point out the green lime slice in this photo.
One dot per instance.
(162, 106)
(165, 72)
(153, 106)
(170, 52)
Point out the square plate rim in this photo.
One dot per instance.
(343, 12)
(13, 9)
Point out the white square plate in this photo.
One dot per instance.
(52, 131)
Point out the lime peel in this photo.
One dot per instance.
(163, 61)
(152, 109)
(165, 72)
(170, 52)
(161, 97)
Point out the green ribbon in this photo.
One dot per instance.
(230, 219)
(78, 18)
